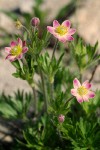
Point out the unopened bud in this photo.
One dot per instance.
(61, 118)
(35, 21)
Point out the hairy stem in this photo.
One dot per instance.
(93, 73)
(26, 30)
(44, 91)
(69, 99)
(32, 86)
(35, 98)
(55, 46)
(51, 91)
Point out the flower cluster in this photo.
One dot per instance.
(63, 33)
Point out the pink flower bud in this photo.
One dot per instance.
(35, 21)
(61, 118)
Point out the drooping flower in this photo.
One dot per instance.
(61, 118)
(16, 50)
(82, 92)
(18, 24)
(35, 21)
(62, 32)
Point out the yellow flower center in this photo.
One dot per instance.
(82, 91)
(61, 30)
(16, 50)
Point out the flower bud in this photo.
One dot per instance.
(35, 21)
(61, 118)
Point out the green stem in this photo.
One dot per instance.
(55, 46)
(44, 91)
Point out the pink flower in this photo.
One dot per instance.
(16, 50)
(61, 118)
(62, 32)
(82, 92)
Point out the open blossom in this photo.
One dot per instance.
(16, 50)
(62, 32)
(61, 118)
(82, 92)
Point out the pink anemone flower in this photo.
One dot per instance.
(82, 92)
(16, 50)
(62, 32)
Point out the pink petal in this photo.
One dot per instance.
(55, 23)
(66, 23)
(91, 94)
(20, 42)
(25, 49)
(61, 39)
(50, 29)
(71, 31)
(69, 38)
(13, 44)
(86, 84)
(11, 58)
(74, 92)
(24, 43)
(79, 99)
(86, 98)
(20, 56)
(7, 49)
(76, 83)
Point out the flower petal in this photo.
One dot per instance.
(50, 29)
(20, 56)
(71, 31)
(7, 49)
(69, 38)
(86, 84)
(25, 49)
(76, 83)
(20, 42)
(74, 92)
(13, 44)
(11, 58)
(79, 99)
(86, 98)
(24, 43)
(91, 94)
(55, 23)
(61, 39)
(66, 23)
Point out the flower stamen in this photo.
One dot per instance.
(82, 91)
(61, 30)
(17, 50)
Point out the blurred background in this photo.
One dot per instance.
(84, 15)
